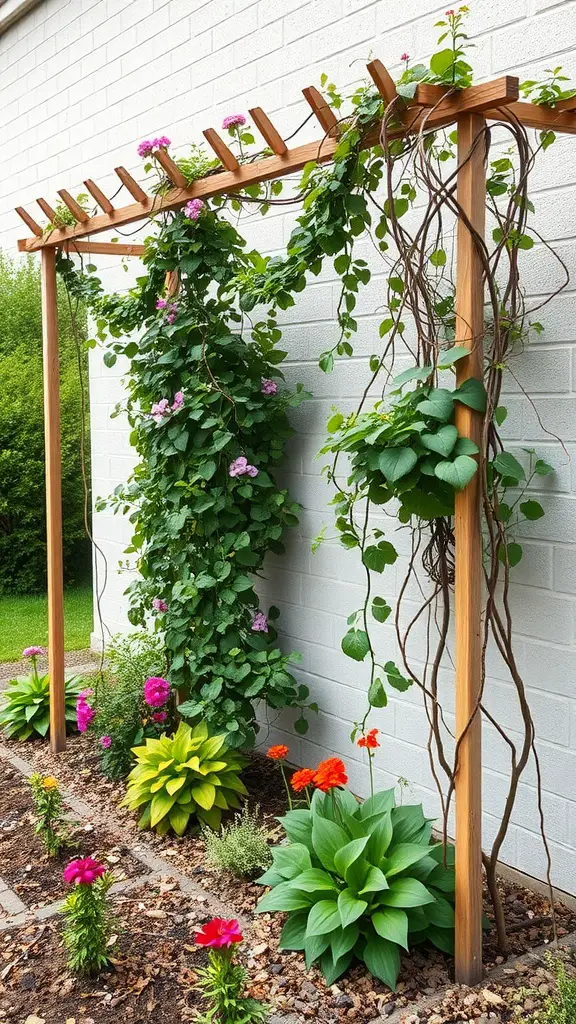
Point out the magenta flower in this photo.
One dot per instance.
(234, 121)
(159, 605)
(85, 714)
(106, 742)
(159, 716)
(156, 691)
(240, 467)
(219, 933)
(405, 57)
(34, 652)
(160, 409)
(146, 148)
(251, 471)
(268, 387)
(161, 304)
(194, 208)
(83, 871)
(178, 401)
(260, 623)
(162, 142)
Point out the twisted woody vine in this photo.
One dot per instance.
(210, 415)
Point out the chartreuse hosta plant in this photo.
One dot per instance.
(188, 777)
(360, 881)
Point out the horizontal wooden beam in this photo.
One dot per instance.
(498, 94)
(104, 248)
(566, 104)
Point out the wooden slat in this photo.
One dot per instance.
(473, 100)
(75, 209)
(29, 221)
(132, 185)
(47, 209)
(225, 155)
(172, 169)
(53, 502)
(382, 80)
(541, 118)
(104, 248)
(268, 131)
(323, 111)
(471, 193)
(97, 194)
(566, 104)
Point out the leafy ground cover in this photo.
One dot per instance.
(23, 616)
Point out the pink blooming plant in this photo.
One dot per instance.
(268, 387)
(241, 467)
(150, 146)
(161, 303)
(160, 409)
(159, 716)
(178, 401)
(84, 871)
(156, 691)
(234, 121)
(405, 57)
(85, 714)
(106, 742)
(219, 933)
(159, 605)
(259, 623)
(34, 652)
(193, 209)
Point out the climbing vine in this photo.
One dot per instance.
(209, 411)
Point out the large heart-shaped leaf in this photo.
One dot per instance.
(355, 644)
(458, 472)
(438, 404)
(442, 441)
(392, 924)
(395, 463)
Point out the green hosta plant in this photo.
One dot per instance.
(360, 881)
(26, 706)
(188, 775)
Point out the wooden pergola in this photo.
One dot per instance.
(440, 106)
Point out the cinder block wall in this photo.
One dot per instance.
(82, 82)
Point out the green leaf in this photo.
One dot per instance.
(406, 892)
(382, 959)
(531, 509)
(395, 678)
(380, 609)
(543, 468)
(355, 644)
(414, 373)
(349, 853)
(343, 940)
(291, 860)
(314, 880)
(472, 393)
(323, 918)
(350, 908)
(457, 473)
(438, 405)
(500, 414)
(464, 446)
(395, 463)
(328, 838)
(506, 465)
(294, 932)
(440, 913)
(392, 924)
(282, 897)
(335, 422)
(440, 63)
(403, 856)
(377, 694)
(377, 556)
(438, 258)
(442, 441)
(510, 553)
(447, 357)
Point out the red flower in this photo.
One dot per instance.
(83, 872)
(450, 12)
(301, 779)
(330, 774)
(219, 932)
(369, 740)
(405, 56)
(277, 753)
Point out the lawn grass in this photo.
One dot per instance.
(24, 621)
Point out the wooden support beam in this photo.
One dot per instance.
(382, 80)
(131, 184)
(29, 221)
(172, 170)
(268, 131)
(97, 194)
(104, 248)
(225, 155)
(322, 109)
(53, 502)
(75, 209)
(46, 209)
(471, 194)
(532, 115)
(566, 104)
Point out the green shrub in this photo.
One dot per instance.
(242, 846)
(360, 880)
(560, 1007)
(22, 514)
(26, 706)
(190, 774)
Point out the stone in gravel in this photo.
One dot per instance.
(343, 1000)
(388, 1009)
(276, 968)
(311, 993)
(28, 980)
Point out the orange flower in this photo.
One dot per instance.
(330, 773)
(301, 779)
(369, 740)
(277, 753)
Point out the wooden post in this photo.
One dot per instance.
(471, 191)
(53, 501)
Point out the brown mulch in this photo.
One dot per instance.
(24, 863)
(281, 976)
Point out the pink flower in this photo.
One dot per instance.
(160, 409)
(268, 387)
(240, 467)
(156, 691)
(260, 623)
(159, 716)
(159, 605)
(178, 401)
(234, 121)
(106, 742)
(161, 304)
(171, 318)
(218, 933)
(194, 208)
(251, 471)
(450, 12)
(83, 872)
(405, 57)
(34, 652)
(85, 714)
(145, 148)
(85, 693)
(161, 143)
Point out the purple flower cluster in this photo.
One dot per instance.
(85, 714)
(106, 742)
(34, 652)
(194, 208)
(160, 410)
(240, 467)
(159, 605)
(234, 121)
(171, 309)
(260, 623)
(268, 387)
(156, 691)
(150, 146)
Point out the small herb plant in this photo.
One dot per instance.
(360, 881)
(240, 848)
(560, 1006)
(88, 919)
(549, 90)
(26, 705)
(223, 982)
(190, 775)
(49, 817)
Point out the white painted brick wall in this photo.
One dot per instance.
(82, 82)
